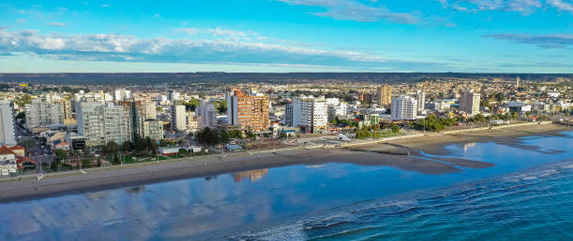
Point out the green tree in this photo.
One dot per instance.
(111, 149)
(395, 128)
(207, 137)
(55, 166)
(61, 154)
(192, 104)
(222, 107)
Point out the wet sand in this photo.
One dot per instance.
(403, 154)
(434, 143)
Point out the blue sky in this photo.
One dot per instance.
(287, 36)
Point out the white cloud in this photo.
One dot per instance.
(541, 40)
(355, 11)
(190, 31)
(126, 48)
(57, 24)
(562, 5)
(220, 32)
(524, 7)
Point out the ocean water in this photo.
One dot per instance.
(532, 205)
(528, 195)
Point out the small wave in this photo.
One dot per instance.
(502, 200)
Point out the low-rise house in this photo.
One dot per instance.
(8, 163)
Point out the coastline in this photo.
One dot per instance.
(393, 155)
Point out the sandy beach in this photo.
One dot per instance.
(401, 153)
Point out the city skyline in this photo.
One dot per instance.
(508, 36)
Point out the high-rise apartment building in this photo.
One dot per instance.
(206, 114)
(250, 112)
(469, 102)
(42, 113)
(153, 129)
(90, 117)
(384, 95)
(7, 128)
(142, 116)
(421, 98)
(101, 123)
(117, 124)
(178, 117)
(66, 106)
(404, 108)
(173, 95)
(308, 113)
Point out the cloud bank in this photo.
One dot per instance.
(543, 41)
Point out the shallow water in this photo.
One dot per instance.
(332, 201)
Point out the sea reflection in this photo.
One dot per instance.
(468, 146)
(254, 175)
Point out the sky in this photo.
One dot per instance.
(501, 36)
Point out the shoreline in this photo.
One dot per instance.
(392, 154)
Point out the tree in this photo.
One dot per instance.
(223, 137)
(192, 104)
(61, 154)
(222, 107)
(207, 137)
(126, 146)
(395, 128)
(111, 149)
(56, 165)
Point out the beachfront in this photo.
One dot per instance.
(388, 153)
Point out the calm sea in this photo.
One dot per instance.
(528, 195)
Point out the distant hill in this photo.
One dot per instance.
(278, 78)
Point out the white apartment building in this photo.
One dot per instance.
(117, 124)
(207, 115)
(153, 129)
(404, 108)
(178, 118)
(122, 94)
(469, 102)
(7, 128)
(90, 117)
(173, 95)
(101, 123)
(441, 105)
(308, 113)
(42, 113)
(336, 110)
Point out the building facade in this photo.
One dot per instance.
(7, 127)
(42, 113)
(469, 102)
(207, 115)
(384, 95)
(404, 108)
(421, 98)
(178, 117)
(249, 112)
(308, 113)
(101, 123)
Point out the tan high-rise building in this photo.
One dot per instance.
(469, 102)
(384, 95)
(250, 112)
